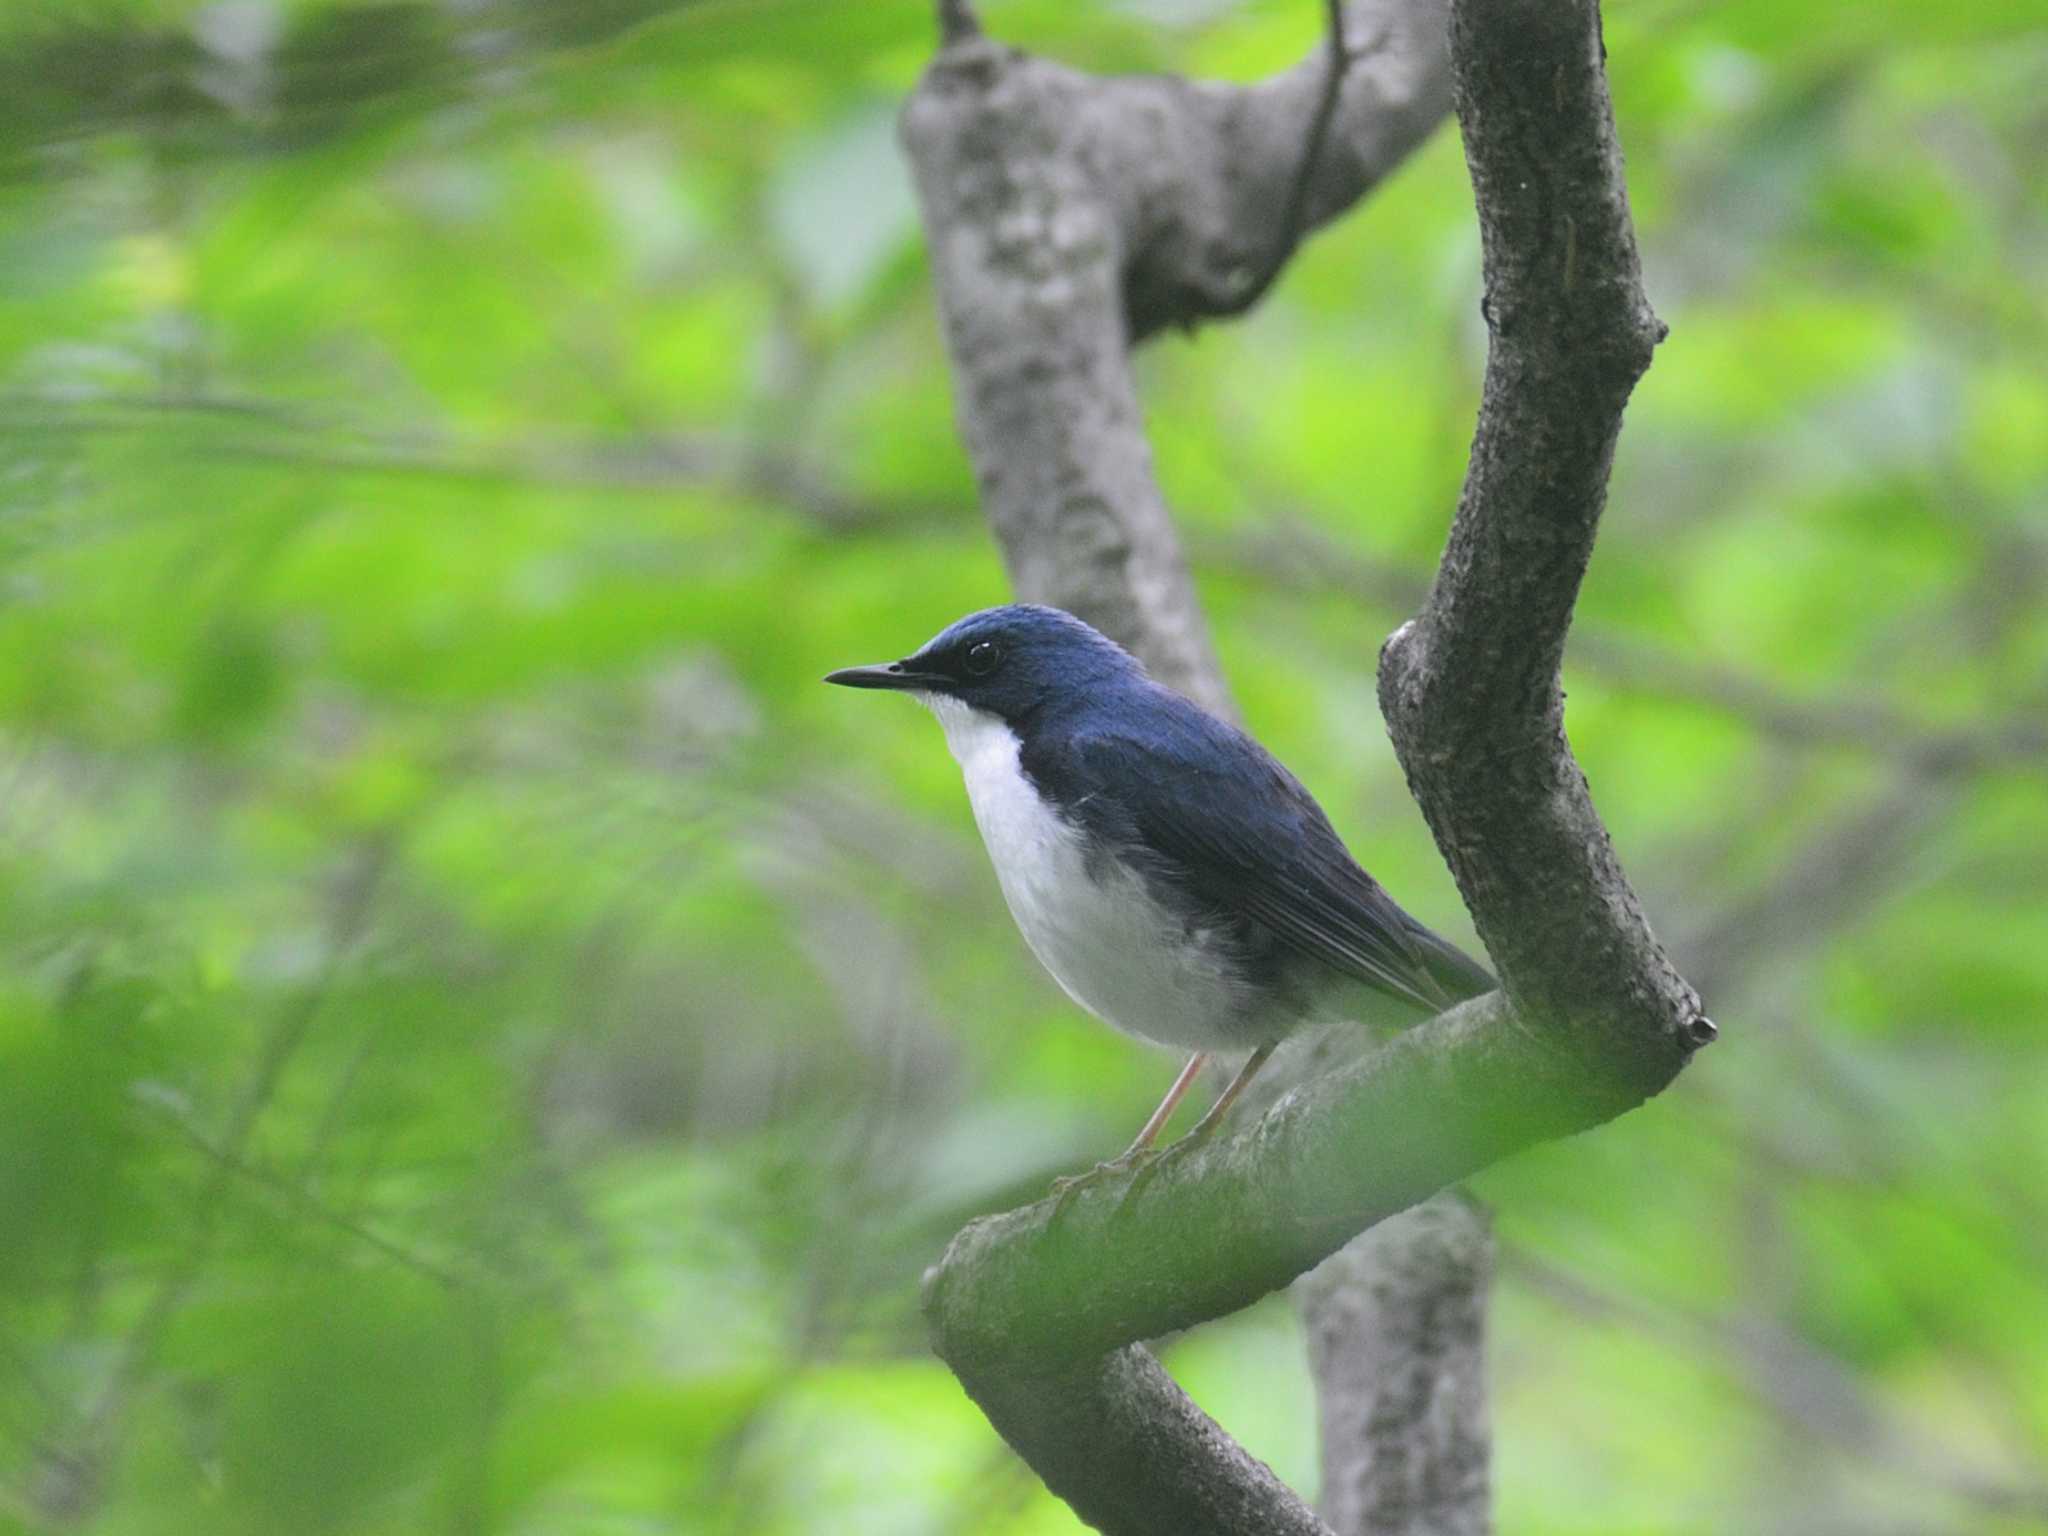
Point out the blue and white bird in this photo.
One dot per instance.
(1175, 879)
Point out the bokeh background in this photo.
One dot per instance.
(488, 1044)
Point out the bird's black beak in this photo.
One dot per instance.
(896, 675)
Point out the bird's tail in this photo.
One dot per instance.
(1456, 974)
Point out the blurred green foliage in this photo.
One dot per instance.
(486, 1043)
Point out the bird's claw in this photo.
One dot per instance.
(1064, 1189)
(1158, 1158)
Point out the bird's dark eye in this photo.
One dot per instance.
(982, 657)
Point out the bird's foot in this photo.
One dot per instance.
(1159, 1157)
(1064, 1189)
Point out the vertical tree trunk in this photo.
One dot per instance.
(1397, 1342)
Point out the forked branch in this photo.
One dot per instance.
(1040, 1311)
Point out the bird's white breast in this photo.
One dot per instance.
(1113, 948)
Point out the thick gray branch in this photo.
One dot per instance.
(1069, 215)
(1204, 173)
(1470, 688)
(1208, 1228)
(1113, 1436)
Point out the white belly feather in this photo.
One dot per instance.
(1118, 953)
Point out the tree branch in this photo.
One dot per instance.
(88, 1457)
(1210, 1227)
(1032, 227)
(1808, 1388)
(1470, 688)
(1294, 212)
(1295, 556)
(1068, 216)
(1113, 1436)
(1217, 184)
(1396, 1341)
(1291, 555)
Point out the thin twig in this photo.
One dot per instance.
(305, 1202)
(541, 455)
(1802, 1383)
(957, 22)
(1294, 212)
(1849, 865)
(1295, 554)
(286, 1035)
(1287, 551)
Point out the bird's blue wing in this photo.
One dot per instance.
(1244, 840)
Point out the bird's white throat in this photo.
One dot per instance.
(1113, 948)
(985, 748)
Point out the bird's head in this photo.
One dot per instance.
(1009, 662)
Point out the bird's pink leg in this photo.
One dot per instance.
(1164, 1112)
(1203, 1126)
(1245, 1074)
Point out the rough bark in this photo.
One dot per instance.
(1470, 688)
(1068, 215)
(1396, 1340)
(1042, 194)
(1209, 1227)
(1112, 1435)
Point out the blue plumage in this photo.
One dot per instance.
(1169, 872)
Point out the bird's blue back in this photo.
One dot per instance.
(1225, 835)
